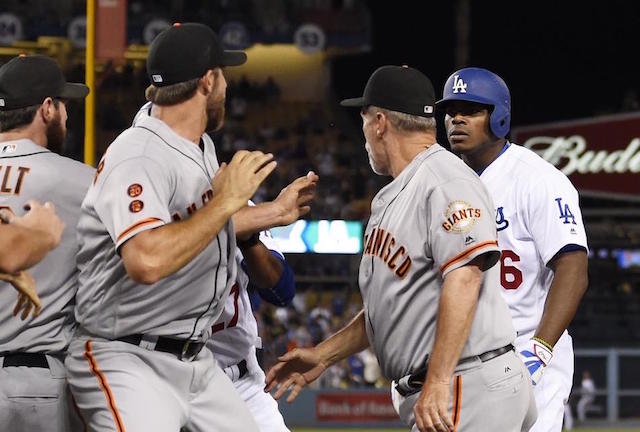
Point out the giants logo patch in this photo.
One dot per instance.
(460, 217)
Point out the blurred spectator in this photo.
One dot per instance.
(356, 370)
(587, 397)
(372, 373)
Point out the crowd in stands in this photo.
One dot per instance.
(274, 21)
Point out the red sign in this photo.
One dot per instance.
(355, 407)
(111, 29)
(600, 155)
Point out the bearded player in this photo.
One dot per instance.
(544, 246)
(262, 266)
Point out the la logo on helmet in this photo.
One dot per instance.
(459, 85)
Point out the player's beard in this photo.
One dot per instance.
(56, 133)
(215, 114)
(376, 169)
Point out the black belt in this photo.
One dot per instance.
(181, 348)
(38, 360)
(411, 384)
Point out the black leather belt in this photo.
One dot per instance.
(38, 360)
(412, 384)
(183, 349)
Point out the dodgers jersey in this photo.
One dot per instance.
(29, 171)
(434, 217)
(537, 214)
(149, 177)
(235, 335)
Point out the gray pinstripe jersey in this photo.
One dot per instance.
(28, 171)
(434, 217)
(149, 177)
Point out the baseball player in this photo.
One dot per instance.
(157, 252)
(33, 390)
(433, 312)
(261, 264)
(235, 335)
(543, 269)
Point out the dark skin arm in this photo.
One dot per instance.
(263, 268)
(569, 284)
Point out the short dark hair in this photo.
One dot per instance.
(19, 117)
(172, 94)
(16, 118)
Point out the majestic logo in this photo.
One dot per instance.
(501, 222)
(459, 86)
(468, 240)
(565, 212)
(460, 217)
(9, 148)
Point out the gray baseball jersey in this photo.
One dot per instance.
(149, 177)
(29, 171)
(434, 217)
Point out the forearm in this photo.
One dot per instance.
(155, 254)
(261, 217)
(456, 311)
(263, 268)
(570, 281)
(22, 248)
(350, 340)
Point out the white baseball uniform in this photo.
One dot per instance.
(136, 362)
(537, 214)
(33, 391)
(435, 217)
(234, 342)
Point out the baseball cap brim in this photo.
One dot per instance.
(233, 58)
(353, 102)
(74, 91)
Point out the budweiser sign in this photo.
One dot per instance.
(600, 155)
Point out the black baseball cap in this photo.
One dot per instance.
(398, 88)
(29, 80)
(186, 51)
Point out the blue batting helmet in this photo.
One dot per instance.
(481, 86)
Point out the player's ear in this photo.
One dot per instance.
(381, 120)
(47, 110)
(208, 81)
